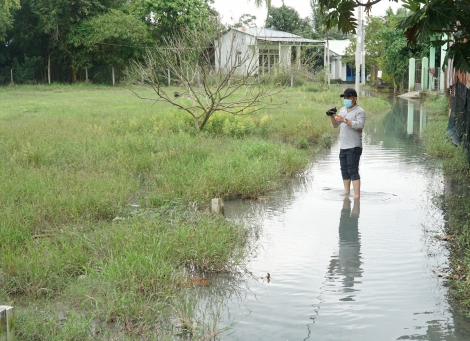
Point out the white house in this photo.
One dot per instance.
(338, 69)
(258, 49)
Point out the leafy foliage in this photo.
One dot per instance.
(167, 17)
(428, 18)
(246, 20)
(319, 29)
(230, 87)
(6, 20)
(82, 33)
(287, 19)
(387, 47)
(111, 38)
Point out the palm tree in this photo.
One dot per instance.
(390, 14)
(260, 3)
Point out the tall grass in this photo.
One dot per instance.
(104, 198)
(455, 202)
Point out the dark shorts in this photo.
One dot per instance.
(349, 162)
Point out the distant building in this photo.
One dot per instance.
(337, 68)
(259, 49)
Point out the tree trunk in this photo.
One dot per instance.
(74, 76)
(49, 70)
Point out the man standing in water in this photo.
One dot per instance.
(350, 120)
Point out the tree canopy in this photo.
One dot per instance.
(287, 19)
(439, 18)
(387, 47)
(81, 33)
(6, 19)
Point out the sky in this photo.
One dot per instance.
(232, 10)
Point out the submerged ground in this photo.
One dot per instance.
(104, 222)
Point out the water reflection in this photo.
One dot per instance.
(379, 283)
(346, 266)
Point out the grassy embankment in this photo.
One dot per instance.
(456, 204)
(76, 162)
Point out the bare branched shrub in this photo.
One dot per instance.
(216, 73)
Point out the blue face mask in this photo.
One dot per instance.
(348, 103)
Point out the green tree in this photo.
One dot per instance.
(387, 47)
(25, 38)
(230, 87)
(111, 38)
(375, 47)
(287, 19)
(58, 18)
(427, 18)
(246, 20)
(441, 18)
(167, 17)
(319, 29)
(7, 7)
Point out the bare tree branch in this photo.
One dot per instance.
(214, 77)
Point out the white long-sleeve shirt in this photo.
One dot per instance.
(351, 137)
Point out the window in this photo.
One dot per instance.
(238, 57)
(268, 60)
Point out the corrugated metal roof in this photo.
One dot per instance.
(268, 34)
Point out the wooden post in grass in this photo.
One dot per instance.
(7, 323)
(49, 70)
(114, 79)
(11, 76)
(217, 206)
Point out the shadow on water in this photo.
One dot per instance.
(343, 269)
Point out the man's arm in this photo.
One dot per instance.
(358, 123)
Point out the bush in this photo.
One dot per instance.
(27, 71)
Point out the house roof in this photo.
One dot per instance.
(271, 35)
(339, 46)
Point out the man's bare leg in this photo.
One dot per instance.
(347, 186)
(357, 188)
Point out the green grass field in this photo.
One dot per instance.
(104, 202)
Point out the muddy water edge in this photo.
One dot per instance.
(326, 267)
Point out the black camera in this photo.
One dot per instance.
(331, 111)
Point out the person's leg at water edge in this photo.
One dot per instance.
(344, 171)
(349, 163)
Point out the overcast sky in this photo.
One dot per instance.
(232, 10)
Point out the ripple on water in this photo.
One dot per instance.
(346, 272)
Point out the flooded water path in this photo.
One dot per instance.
(346, 270)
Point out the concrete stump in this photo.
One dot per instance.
(7, 323)
(217, 206)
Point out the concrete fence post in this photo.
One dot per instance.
(432, 68)
(291, 77)
(7, 323)
(411, 74)
(114, 79)
(217, 206)
(11, 76)
(441, 69)
(424, 74)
